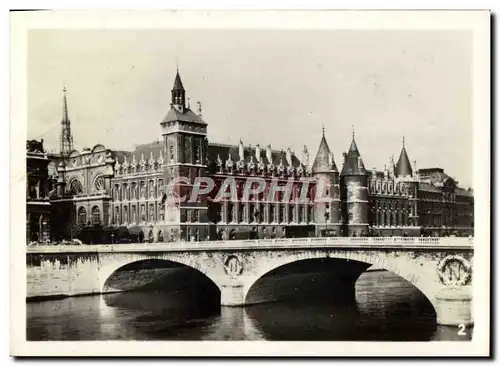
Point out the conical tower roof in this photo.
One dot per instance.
(353, 164)
(324, 163)
(403, 166)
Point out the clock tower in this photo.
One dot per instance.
(185, 143)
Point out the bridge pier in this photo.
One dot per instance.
(454, 306)
(232, 294)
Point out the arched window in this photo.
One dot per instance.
(82, 216)
(99, 185)
(143, 189)
(134, 214)
(96, 215)
(126, 195)
(131, 191)
(117, 215)
(75, 187)
(125, 214)
(152, 213)
(151, 188)
(143, 212)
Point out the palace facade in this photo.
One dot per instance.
(99, 187)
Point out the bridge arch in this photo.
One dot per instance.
(400, 266)
(110, 264)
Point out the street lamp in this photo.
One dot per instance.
(257, 216)
(327, 216)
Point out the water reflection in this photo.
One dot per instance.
(387, 309)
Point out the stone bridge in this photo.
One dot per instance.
(441, 268)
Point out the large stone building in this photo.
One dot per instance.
(101, 187)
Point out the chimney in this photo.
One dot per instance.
(241, 151)
(289, 156)
(305, 156)
(257, 152)
(199, 108)
(269, 154)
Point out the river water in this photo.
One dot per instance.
(387, 309)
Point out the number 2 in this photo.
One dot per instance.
(461, 330)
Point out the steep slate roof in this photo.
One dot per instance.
(353, 164)
(188, 116)
(427, 187)
(226, 151)
(322, 160)
(155, 147)
(403, 166)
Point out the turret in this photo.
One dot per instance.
(403, 167)
(327, 213)
(354, 182)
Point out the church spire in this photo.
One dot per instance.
(65, 105)
(66, 138)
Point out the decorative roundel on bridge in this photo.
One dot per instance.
(233, 265)
(454, 270)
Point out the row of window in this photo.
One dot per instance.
(389, 188)
(391, 218)
(130, 217)
(259, 213)
(133, 191)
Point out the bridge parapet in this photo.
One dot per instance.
(291, 243)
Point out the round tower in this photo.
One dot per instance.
(327, 210)
(354, 184)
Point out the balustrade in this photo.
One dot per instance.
(369, 242)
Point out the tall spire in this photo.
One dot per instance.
(66, 138)
(65, 105)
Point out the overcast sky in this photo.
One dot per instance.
(276, 87)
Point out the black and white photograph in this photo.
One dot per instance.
(215, 178)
